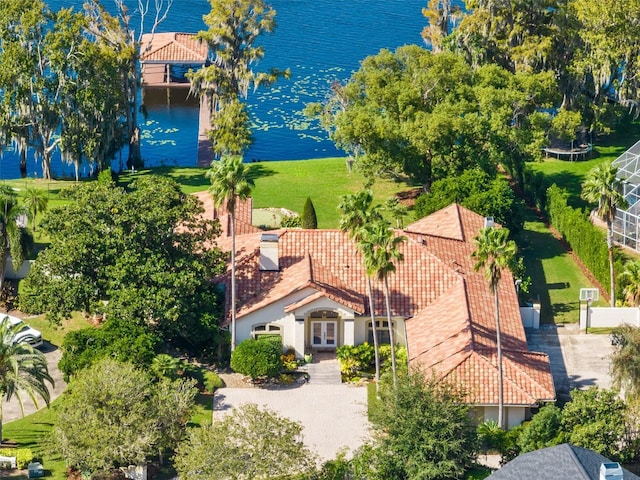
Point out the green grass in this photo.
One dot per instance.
(53, 333)
(287, 184)
(32, 432)
(556, 278)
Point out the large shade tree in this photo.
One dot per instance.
(248, 443)
(494, 253)
(603, 188)
(428, 116)
(23, 369)
(234, 28)
(230, 182)
(142, 256)
(114, 415)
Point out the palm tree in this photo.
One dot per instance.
(14, 237)
(602, 187)
(23, 369)
(36, 201)
(230, 181)
(625, 360)
(494, 252)
(631, 274)
(357, 213)
(380, 249)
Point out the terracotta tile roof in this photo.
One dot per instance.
(448, 307)
(172, 48)
(244, 210)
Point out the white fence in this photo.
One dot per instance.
(607, 317)
(530, 316)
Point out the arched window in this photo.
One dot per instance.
(324, 315)
(382, 329)
(266, 330)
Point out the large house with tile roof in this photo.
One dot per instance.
(309, 287)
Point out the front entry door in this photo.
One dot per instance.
(324, 334)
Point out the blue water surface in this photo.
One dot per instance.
(319, 40)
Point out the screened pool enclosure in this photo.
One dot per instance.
(626, 224)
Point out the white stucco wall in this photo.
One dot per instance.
(514, 416)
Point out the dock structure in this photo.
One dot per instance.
(167, 57)
(205, 149)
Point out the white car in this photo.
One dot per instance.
(24, 332)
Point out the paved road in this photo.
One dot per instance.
(11, 410)
(333, 416)
(578, 360)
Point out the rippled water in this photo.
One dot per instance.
(319, 40)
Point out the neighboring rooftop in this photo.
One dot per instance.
(168, 48)
(561, 462)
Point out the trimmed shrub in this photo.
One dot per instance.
(23, 455)
(585, 239)
(309, 219)
(257, 358)
(355, 358)
(212, 381)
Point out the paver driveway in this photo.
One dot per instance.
(333, 416)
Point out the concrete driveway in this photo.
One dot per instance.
(333, 416)
(11, 410)
(578, 359)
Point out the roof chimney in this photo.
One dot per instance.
(488, 222)
(611, 471)
(269, 255)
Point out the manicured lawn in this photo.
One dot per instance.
(288, 184)
(32, 432)
(54, 334)
(556, 278)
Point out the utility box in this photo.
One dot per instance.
(35, 470)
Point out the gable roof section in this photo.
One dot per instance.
(180, 48)
(564, 461)
(244, 214)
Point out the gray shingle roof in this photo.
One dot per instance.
(556, 463)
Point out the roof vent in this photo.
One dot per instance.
(488, 222)
(269, 255)
(611, 471)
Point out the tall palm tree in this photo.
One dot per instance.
(631, 274)
(23, 369)
(602, 187)
(494, 252)
(14, 237)
(380, 248)
(357, 213)
(625, 360)
(36, 201)
(230, 181)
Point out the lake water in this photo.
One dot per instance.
(319, 40)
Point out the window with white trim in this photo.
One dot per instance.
(382, 329)
(266, 329)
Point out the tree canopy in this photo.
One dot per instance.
(248, 443)
(428, 116)
(113, 415)
(143, 255)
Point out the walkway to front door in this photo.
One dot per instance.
(324, 369)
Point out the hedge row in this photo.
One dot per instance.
(586, 240)
(23, 455)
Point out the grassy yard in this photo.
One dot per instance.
(288, 184)
(556, 278)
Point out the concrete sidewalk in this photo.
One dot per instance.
(11, 410)
(333, 416)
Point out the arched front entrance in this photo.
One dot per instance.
(324, 329)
